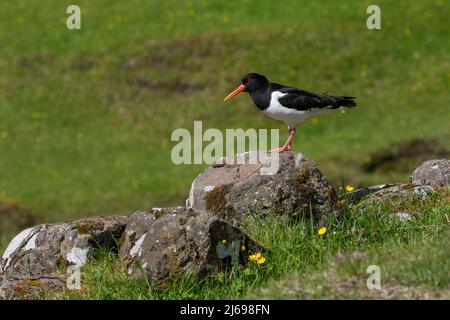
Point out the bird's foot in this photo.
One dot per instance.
(287, 146)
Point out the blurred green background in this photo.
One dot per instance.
(86, 115)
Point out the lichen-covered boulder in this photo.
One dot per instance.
(22, 287)
(41, 249)
(232, 187)
(432, 172)
(163, 242)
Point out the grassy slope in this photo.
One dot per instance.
(417, 271)
(87, 115)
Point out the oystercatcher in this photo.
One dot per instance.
(288, 104)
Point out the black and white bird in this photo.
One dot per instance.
(288, 104)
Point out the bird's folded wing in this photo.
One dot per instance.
(303, 100)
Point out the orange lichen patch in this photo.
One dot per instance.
(340, 203)
(408, 186)
(34, 283)
(21, 289)
(86, 227)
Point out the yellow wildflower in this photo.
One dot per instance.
(349, 188)
(322, 231)
(242, 248)
(258, 257)
(261, 260)
(255, 257)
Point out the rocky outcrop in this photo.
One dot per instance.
(163, 242)
(202, 237)
(235, 186)
(40, 250)
(432, 172)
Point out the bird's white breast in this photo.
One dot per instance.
(291, 116)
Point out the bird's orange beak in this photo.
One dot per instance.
(235, 92)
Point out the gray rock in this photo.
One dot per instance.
(402, 191)
(388, 191)
(40, 250)
(359, 194)
(432, 172)
(232, 187)
(29, 287)
(164, 242)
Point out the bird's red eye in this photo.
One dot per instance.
(247, 80)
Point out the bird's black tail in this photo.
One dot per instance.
(344, 102)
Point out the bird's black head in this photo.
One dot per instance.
(254, 81)
(250, 83)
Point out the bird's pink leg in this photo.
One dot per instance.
(287, 146)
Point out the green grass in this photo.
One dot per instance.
(418, 270)
(412, 255)
(86, 116)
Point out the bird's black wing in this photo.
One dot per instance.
(303, 100)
